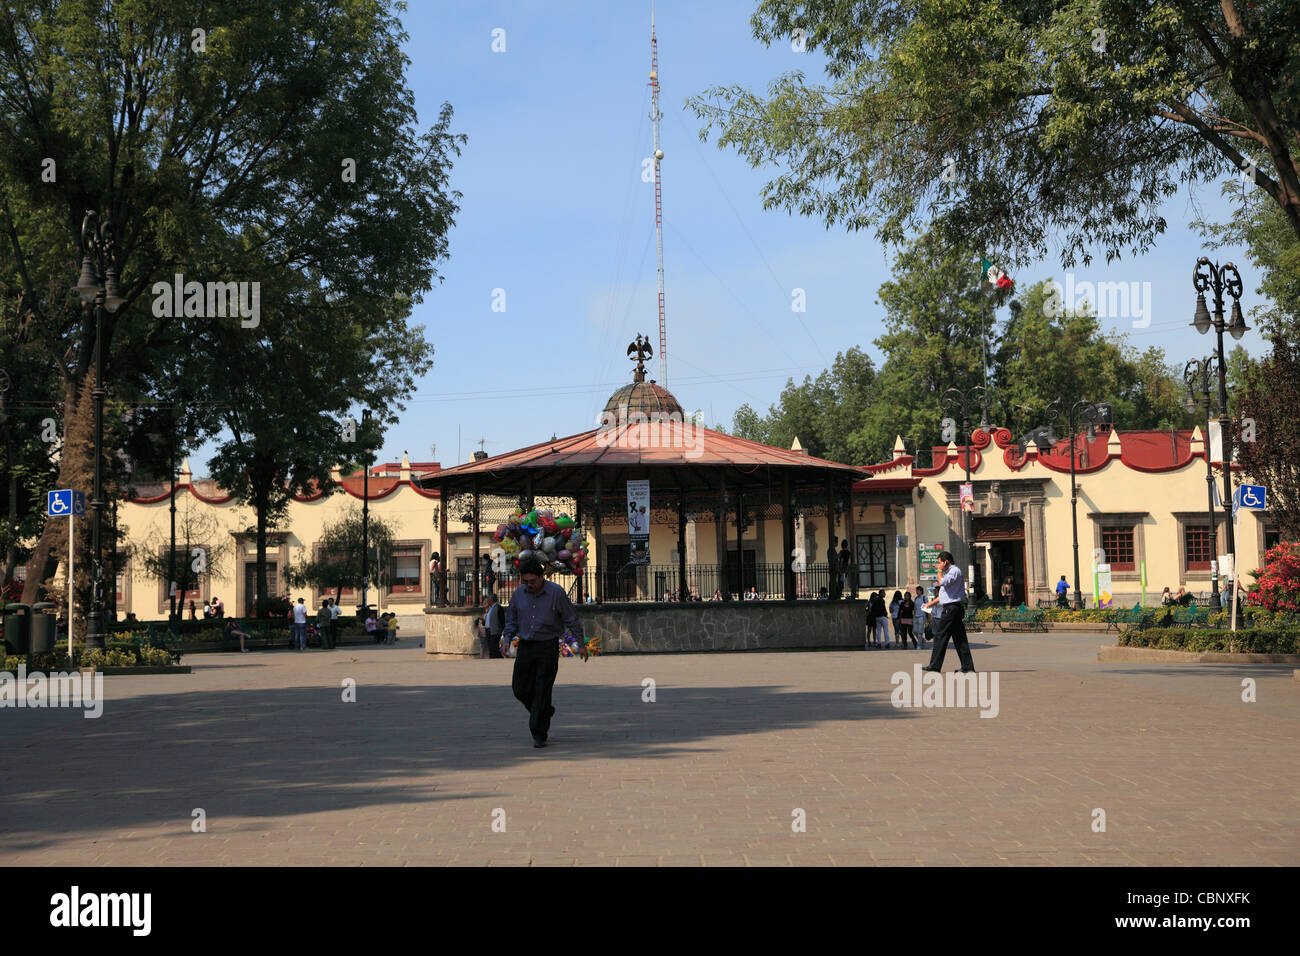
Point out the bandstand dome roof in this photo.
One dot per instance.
(645, 397)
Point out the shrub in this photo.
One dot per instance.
(1250, 641)
(1277, 586)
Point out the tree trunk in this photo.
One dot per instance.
(259, 586)
(76, 471)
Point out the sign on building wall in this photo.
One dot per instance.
(638, 521)
(930, 561)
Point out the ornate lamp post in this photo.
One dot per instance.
(1090, 414)
(365, 511)
(1220, 279)
(98, 284)
(1197, 374)
(956, 401)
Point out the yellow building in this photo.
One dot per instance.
(1141, 501)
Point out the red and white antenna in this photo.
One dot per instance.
(655, 116)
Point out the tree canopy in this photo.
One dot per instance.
(274, 143)
(1013, 127)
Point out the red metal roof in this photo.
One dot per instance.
(637, 444)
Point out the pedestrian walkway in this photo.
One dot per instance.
(713, 772)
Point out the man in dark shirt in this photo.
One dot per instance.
(833, 567)
(539, 612)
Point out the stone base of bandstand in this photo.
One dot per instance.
(677, 628)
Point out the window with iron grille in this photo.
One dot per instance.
(1118, 545)
(1199, 547)
(1272, 538)
(872, 559)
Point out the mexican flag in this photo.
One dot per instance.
(993, 276)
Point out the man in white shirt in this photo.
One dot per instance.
(299, 629)
(491, 627)
(335, 611)
(952, 591)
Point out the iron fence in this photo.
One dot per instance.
(662, 583)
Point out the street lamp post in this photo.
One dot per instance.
(98, 284)
(1210, 276)
(1196, 373)
(1091, 414)
(959, 401)
(365, 511)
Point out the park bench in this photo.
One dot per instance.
(1019, 618)
(1134, 618)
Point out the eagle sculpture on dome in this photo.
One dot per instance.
(641, 350)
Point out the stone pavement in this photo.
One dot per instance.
(711, 773)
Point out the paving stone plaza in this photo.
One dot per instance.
(433, 753)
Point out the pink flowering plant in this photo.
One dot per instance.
(1277, 585)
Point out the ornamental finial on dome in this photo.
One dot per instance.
(641, 347)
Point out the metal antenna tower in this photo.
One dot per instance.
(655, 116)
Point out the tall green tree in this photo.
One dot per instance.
(228, 144)
(825, 414)
(1009, 126)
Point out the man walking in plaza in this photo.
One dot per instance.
(952, 589)
(539, 612)
(490, 628)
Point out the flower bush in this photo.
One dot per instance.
(1277, 585)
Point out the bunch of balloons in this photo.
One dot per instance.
(570, 646)
(555, 541)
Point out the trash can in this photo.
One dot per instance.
(18, 622)
(42, 624)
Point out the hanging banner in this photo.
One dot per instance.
(967, 492)
(638, 521)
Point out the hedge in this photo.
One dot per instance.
(58, 660)
(1250, 641)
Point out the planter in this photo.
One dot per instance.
(145, 671)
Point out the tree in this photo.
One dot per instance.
(202, 549)
(338, 563)
(278, 138)
(1269, 397)
(1006, 126)
(824, 414)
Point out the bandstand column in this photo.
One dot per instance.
(720, 526)
(787, 537)
(853, 543)
(445, 559)
(600, 551)
(474, 593)
(683, 592)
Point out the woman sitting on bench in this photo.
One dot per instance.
(375, 629)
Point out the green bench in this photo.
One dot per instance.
(1128, 619)
(1020, 618)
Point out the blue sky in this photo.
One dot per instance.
(555, 213)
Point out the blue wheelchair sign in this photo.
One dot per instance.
(65, 502)
(1251, 496)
